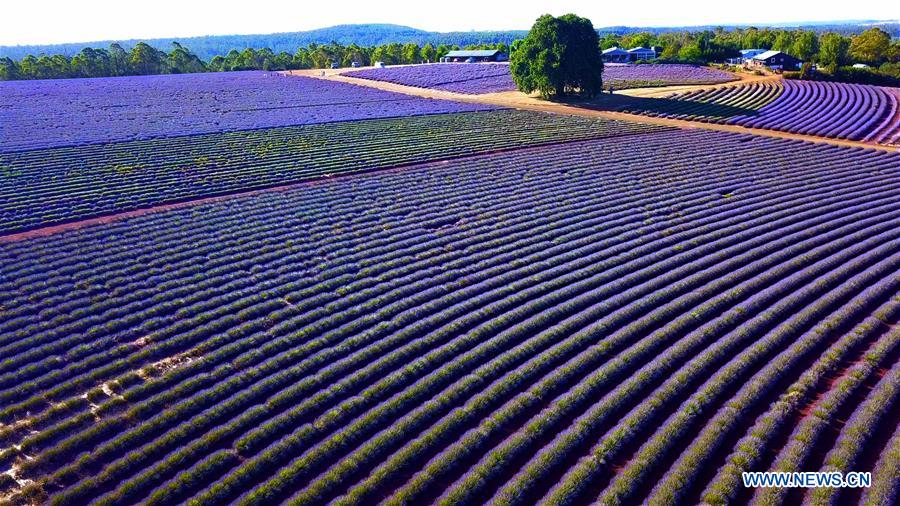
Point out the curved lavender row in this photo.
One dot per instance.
(752, 452)
(432, 74)
(883, 133)
(76, 112)
(725, 486)
(879, 407)
(786, 105)
(885, 487)
(837, 110)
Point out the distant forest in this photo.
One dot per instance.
(366, 35)
(833, 47)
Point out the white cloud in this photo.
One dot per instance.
(43, 21)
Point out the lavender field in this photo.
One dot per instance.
(252, 288)
(72, 112)
(57, 185)
(837, 110)
(466, 78)
(630, 319)
(495, 77)
(622, 76)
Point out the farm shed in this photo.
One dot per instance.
(641, 53)
(746, 56)
(615, 55)
(479, 55)
(776, 60)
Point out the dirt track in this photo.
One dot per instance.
(518, 100)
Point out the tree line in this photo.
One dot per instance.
(831, 50)
(872, 47)
(144, 59)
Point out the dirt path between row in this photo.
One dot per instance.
(519, 100)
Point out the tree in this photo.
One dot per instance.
(690, 53)
(642, 39)
(9, 70)
(805, 45)
(146, 60)
(609, 40)
(91, 63)
(428, 53)
(410, 53)
(559, 56)
(118, 60)
(871, 46)
(784, 41)
(834, 51)
(182, 61)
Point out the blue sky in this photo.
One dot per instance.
(43, 21)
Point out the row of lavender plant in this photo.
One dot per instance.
(879, 407)
(642, 416)
(749, 452)
(75, 112)
(666, 74)
(884, 489)
(517, 378)
(836, 110)
(675, 484)
(67, 184)
(187, 414)
(489, 468)
(456, 77)
(495, 77)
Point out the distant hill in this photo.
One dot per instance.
(377, 34)
(210, 45)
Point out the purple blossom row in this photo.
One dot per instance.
(425, 331)
(64, 184)
(665, 74)
(72, 112)
(837, 110)
(469, 78)
(495, 77)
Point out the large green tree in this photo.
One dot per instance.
(834, 50)
(559, 57)
(871, 46)
(805, 46)
(146, 60)
(183, 61)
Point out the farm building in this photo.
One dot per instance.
(775, 60)
(619, 55)
(746, 56)
(476, 55)
(641, 53)
(615, 55)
